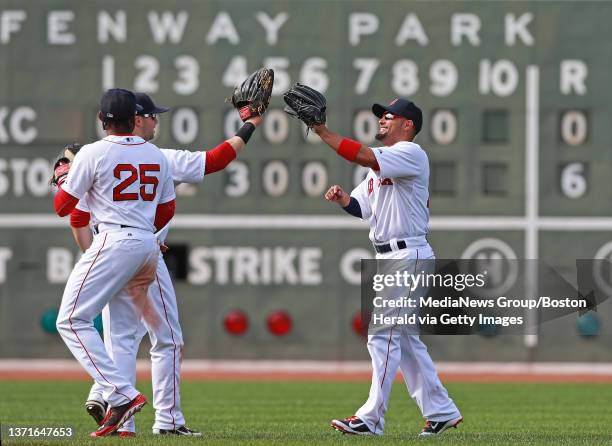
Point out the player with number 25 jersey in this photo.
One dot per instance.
(130, 194)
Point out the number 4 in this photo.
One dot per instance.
(119, 195)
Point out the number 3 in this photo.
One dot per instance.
(119, 195)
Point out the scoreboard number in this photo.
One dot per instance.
(574, 127)
(145, 80)
(405, 79)
(314, 179)
(275, 178)
(237, 179)
(365, 126)
(444, 127)
(573, 180)
(185, 125)
(366, 68)
(147, 67)
(188, 75)
(444, 77)
(313, 74)
(276, 126)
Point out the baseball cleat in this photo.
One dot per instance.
(96, 409)
(125, 434)
(351, 425)
(437, 427)
(182, 430)
(116, 416)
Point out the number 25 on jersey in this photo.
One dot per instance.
(134, 174)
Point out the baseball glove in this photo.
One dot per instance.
(61, 166)
(306, 104)
(252, 97)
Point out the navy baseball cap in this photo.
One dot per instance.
(401, 107)
(147, 104)
(118, 104)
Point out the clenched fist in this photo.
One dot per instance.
(335, 193)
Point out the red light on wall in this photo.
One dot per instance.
(361, 331)
(279, 323)
(236, 322)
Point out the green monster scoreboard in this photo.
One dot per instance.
(516, 99)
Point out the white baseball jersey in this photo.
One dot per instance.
(395, 199)
(185, 167)
(127, 191)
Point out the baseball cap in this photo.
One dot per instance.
(401, 107)
(147, 104)
(118, 104)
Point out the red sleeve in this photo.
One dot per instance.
(79, 218)
(64, 203)
(219, 157)
(164, 214)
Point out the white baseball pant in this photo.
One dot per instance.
(159, 317)
(117, 259)
(393, 349)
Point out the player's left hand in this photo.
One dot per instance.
(61, 166)
(252, 97)
(306, 104)
(60, 173)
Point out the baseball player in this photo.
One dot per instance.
(161, 320)
(394, 199)
(128, 188)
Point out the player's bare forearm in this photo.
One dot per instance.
(364, 156)
(83, 237)
(237, 143)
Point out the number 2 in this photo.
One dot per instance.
(119, 195)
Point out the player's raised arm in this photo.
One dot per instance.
(251, 98)
(347, 148)
(218, 158)
(309, 106)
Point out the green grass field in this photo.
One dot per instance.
(239, 413)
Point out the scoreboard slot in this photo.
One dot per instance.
(495, 127)
(495, 179)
